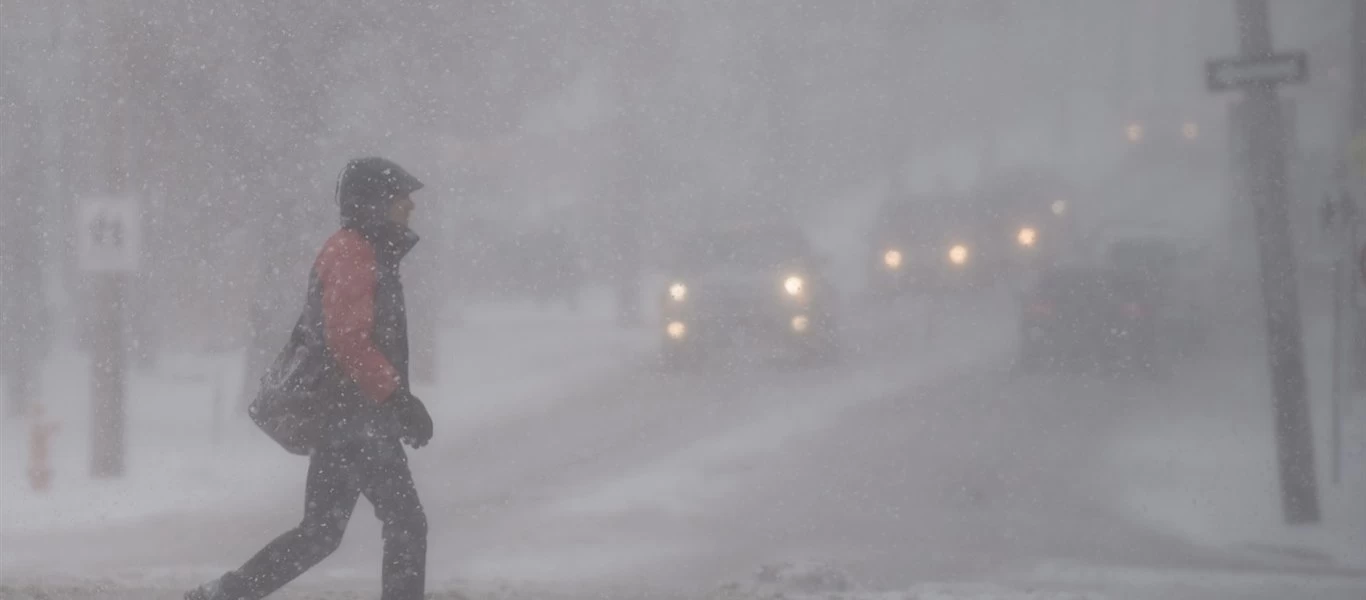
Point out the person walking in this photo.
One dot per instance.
(339, 394)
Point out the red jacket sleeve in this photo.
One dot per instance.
(347, 269)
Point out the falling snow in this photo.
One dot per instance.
(930, 300)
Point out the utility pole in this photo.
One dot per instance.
(1266, 172)
(1340, 217)
(1357, 117)
(24, 318)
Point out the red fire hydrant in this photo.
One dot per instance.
(39, 463)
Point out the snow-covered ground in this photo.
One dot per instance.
(178, 457)
(500, 363)
(1204, 467)
(826, 581)
(924, 464)
(615, 523)
(785, 581)
(545, 469)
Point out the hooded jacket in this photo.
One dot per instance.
(348, 353)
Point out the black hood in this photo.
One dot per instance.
(368, 185)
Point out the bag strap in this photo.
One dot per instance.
(297, 336)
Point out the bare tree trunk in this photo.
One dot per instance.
(24, 322)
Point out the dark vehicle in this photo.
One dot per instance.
(925, 246)
(1091, 315)
(1030, 218)
(1179, 277)
(749, 289)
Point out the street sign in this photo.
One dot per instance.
(1234, 73)
(109, 234)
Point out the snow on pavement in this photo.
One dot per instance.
(693, 470)
(176, 459)
(615, 523)
(1148, 583)
(785, 581)
(1204, 466)
(565, 521)
(816, 580)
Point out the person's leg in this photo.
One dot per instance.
(387, 483)
(330, 496)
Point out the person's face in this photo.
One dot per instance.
(401, 209)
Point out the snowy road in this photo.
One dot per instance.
(911, 463)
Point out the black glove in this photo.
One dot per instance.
(415, 425)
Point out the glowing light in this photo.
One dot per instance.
(892, 259)
(1027, 237)
(1134, 132)
(794, 285)
(676, 330)
(1059, 207)
(958, 254)
(800, 323)
(678, 292)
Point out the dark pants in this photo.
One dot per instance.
(337, 477)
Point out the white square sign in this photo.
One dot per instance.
(109, 234)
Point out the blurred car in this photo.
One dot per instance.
(1030, 216)
(924, 246)
(748, 287)
(1144, 300)
(1090, 313)
(1178, 274)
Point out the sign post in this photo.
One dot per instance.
(109, 239)
(1340, 221)
(1257, 72)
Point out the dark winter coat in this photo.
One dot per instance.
(348, 353)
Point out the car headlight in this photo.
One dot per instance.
(794, 285)
(678, 292)
(958, 254)
(1190, 130)
(1027, 236)
(801, 323)
(1134, 132)
(676, 330)
(892, 258)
